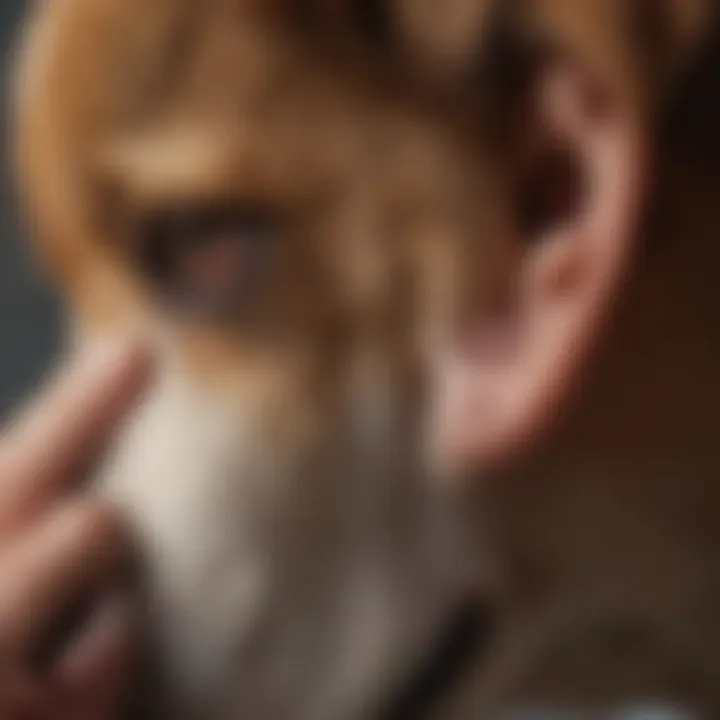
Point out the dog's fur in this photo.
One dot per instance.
(299, 558)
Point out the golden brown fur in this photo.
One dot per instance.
(397, 217)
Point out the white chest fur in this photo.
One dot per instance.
(275, 594)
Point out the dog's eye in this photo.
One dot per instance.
(206, 261)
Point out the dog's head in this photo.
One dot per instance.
(306, 204)
(297, 220)
(261, 181)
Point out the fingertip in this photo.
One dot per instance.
(83, 548)
(121, 362)
(49, 447)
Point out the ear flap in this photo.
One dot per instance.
(574, 142)
(575, 125)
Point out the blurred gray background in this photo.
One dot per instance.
(29, 316)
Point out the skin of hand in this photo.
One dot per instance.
(61, 549)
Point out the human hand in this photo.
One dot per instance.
(61, 550)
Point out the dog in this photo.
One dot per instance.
(299, 203)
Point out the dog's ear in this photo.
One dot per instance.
(571, 93)
(566, 117)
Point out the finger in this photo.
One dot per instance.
(23, 697)
(96, 670)
(45, 572)
(66, 427)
